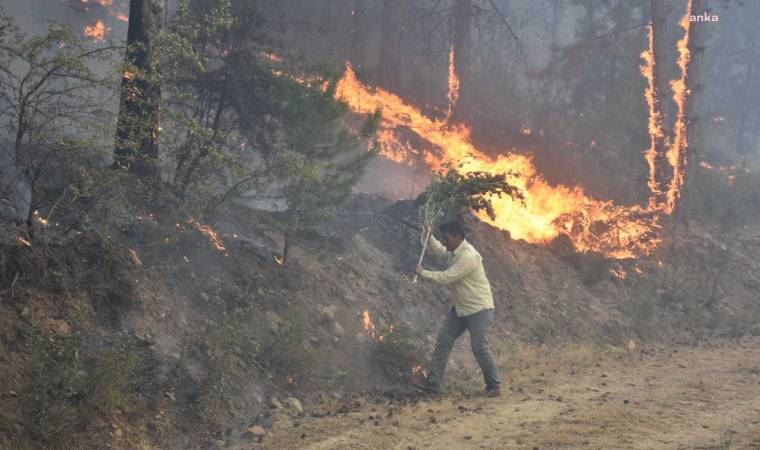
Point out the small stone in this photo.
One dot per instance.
(274, 403)
(118, 433)
(329, 312)
(204, 297)
(273, 321)
(337, 329)
(294, 404)
(257, 431)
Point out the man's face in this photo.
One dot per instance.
(450, 241)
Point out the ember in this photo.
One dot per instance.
(97, 31)
(368, 325)
(209, 232)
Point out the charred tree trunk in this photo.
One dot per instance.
(663, 171)
(285, 249)
(741, 148)
(138, 124)
(694, 86)
(556, 13)
(390, 52)
(357, 35)
(462, 48)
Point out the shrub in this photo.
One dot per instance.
(398, 352)
(285, 351)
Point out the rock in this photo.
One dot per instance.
(338, 329)
(273, 321)
(60, 327)
(328, 312)
(204, 297)
(118, 433)
(274, 403)
(294, 404)
(255, 431)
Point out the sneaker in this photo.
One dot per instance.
(493, 392)
(426, 385)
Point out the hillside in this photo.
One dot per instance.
(166, 341)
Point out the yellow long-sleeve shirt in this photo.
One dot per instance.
(466, 275)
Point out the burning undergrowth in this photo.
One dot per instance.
(398, 350)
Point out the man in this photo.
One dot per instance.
(473, 308)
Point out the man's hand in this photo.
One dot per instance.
(419, 270)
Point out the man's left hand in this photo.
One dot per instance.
(419, 269)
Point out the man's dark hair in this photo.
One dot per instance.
(453, 228)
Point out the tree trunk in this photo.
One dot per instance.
(741, 148)
(555, 23)
(358, 25)
(693, 84)
(138, 124)
(663, 171)
(390, 52)
(285, 250)
(461, 102)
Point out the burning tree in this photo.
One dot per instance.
(453, 193)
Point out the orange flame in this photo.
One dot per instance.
(453, 84)
(393, 148)
(368, 324)
(619, 232)
(209, 232)
(677, 153)
(656, 131)
(97, 31)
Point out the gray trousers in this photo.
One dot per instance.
(478, 324)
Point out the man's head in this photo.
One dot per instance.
(452, 235)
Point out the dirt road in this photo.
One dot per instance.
(674, 398)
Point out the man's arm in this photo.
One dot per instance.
(461, 268)
(436, 248)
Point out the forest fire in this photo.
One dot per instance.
(209, 232)
(619, 232)
(548, 210)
